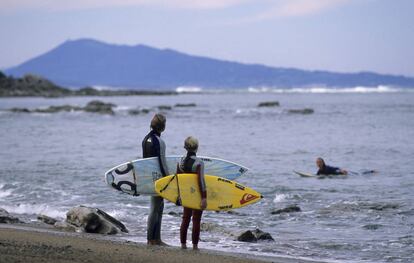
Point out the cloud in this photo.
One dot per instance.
(88, 4)
(295, 8)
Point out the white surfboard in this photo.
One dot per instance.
(305, 174)
(137, 177)
(321, 176)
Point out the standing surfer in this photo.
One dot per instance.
(154, 146)
(191, 164)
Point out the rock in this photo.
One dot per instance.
(99, 107)
(172, 213)
(372, 226)
(93, 220)
(381, 207)
(269, 104)
(138, 111)
(6, 218)
(185, 105)
(164, 107)
(254, 236)
(20, 110)
(247, 236)
(67, 227)
(260, 235)
(54, 109)
(301, 111)
(46, 219)
(289, 209)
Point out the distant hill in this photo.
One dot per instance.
(87, 62)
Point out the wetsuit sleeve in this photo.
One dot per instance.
(201, 181)
(160, 153)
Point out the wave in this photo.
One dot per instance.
(31, 209)
(189, 89)
(357, 89)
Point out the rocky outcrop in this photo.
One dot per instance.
(164, 107)
(97, 106)
(94, 106)
(35, 86)
(93, 220)
(288, 209)
(30, 86)
(55, 109)
(269, 104)
(6, 218)
(138, 111)
(301, 111)
(254, 236)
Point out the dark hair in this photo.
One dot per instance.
(158, 122)
(323, 161)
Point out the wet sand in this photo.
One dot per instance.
(27, 244)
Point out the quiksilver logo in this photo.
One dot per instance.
(247, 198)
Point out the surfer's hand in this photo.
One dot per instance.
(203, 203)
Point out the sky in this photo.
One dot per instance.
(333, 35)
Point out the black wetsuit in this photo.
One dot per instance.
(154, 146)
(327, 170)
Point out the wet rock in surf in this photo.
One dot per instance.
(164, 107)
(97, 106)
(288, 209)
(301, 111)
(6, 218)
(381, 207)
(184, 105)
(93, 220)
(260, 235)
(269, 104)
(47, 219)
(247, 236)
(138, 111)
(172, 213)
(55, 109)
(372, 226)
(254, 236)
(19, 110)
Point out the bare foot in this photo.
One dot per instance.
(183, 246)
(195, 247)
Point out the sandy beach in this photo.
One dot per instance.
(27, 244)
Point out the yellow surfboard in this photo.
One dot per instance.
(222, 194)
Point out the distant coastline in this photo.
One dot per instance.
(37, 86)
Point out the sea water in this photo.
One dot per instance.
(52, 162)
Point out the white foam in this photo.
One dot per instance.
(357, 89)
(279, 198)
(31, 209)
(5, 193)
(188, 89)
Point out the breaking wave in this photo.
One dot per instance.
(358, 89)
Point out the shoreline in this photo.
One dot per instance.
(19, 243)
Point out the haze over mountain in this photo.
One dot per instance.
(87, 62)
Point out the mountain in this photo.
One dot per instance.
(87, 62)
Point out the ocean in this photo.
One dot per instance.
(52, 162)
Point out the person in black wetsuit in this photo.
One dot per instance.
(328, 170)
(154, 146)
(191, 164)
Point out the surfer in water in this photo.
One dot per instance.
(328, 170)
(154, 146)
(191, 164)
